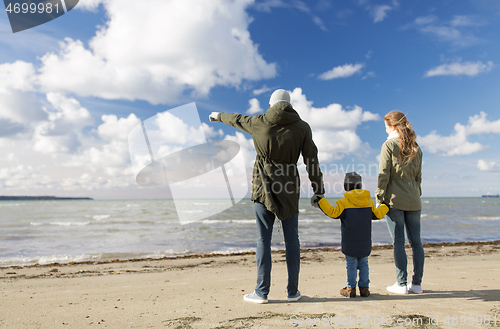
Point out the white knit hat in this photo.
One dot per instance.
(279, 95)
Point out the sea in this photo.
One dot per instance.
(67, 231)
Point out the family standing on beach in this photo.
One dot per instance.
(280, 136)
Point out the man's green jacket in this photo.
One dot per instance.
(279, 136)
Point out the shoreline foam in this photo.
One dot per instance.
(242, 253)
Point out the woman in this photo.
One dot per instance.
(400, 176)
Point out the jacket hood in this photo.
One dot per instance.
(282, 114)
(360, 198)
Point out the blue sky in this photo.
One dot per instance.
(72, 89)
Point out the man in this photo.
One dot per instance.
(279, 137)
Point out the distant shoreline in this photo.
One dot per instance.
(37, 198)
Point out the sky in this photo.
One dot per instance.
(71, 90)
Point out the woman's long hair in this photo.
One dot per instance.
(408, 147)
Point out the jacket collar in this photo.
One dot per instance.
(393, 134)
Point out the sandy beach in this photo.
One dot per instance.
(461, 290)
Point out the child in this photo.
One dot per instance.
(356, 211)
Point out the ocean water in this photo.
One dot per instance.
(44, 232)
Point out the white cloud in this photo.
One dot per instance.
(454, 31)
(370, 74)
(455, 144)
(130, 58)
(380, 12)
(89, 182)
(109, 154)
(20, 112)
(343, 71)
(463, 20)
(334, 128)
(62, 154)
(68, 114)
(24, 178)
(17, 76)
(19, 109)
(425, 20)
(113, 128)
(12, 157)
(262, 90)
(254, 107)
(65, 157)
(173, 130)
(62, 130)
(478, 124)
(488, 165)
(246, 146)
(461, 68)
(210, 131)
(267, 5)
(90, 4)
(458, 143)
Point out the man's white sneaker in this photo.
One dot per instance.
(415, 288)
(397, 289)
(254, 298)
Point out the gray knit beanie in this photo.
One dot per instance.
(279, 95)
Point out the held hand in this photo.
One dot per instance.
(213, 116)
(315, 199)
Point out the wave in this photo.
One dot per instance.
(325, 220)
(314, 245)
(12, 204)
(98, 217)
(60, 223)
(52, 259)
(234, 221)
(486, 218)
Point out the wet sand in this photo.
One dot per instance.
(461, 290)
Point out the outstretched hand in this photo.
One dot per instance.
(213, 116)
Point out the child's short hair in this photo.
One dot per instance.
(352, 181)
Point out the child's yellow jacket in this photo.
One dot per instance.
(356, 211)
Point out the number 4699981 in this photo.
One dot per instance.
(33, 8)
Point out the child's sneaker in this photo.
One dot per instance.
(348, 292)
(415, 288)
(364, 291)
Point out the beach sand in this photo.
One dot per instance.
(461, 290)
